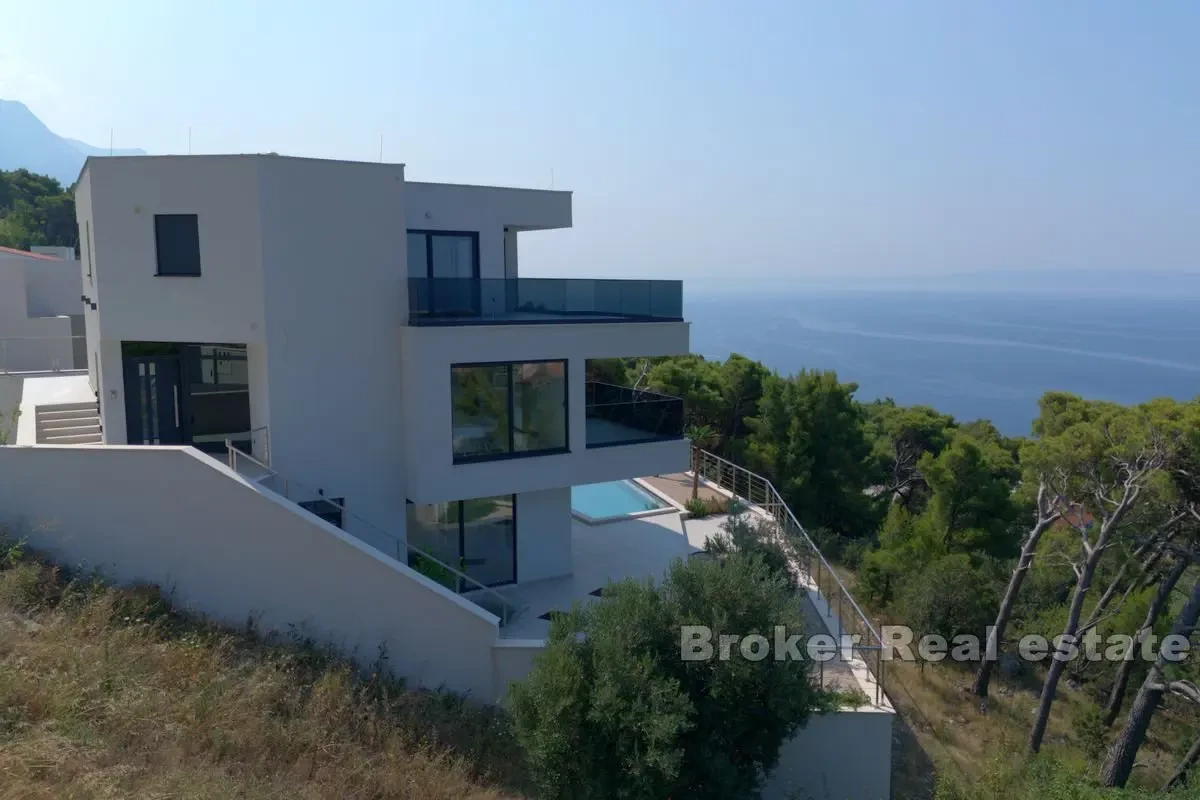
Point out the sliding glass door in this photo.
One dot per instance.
(449, 261)
(475, 537)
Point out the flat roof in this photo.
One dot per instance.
(88, 160)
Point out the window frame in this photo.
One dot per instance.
(511, 453)
(158, 252)
(429, 234)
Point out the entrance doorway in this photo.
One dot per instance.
(194, 394)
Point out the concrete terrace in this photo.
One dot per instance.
(644, 548)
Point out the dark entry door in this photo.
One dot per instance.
(153, 414)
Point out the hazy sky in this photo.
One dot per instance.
(720, 141)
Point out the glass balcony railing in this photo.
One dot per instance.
(620, 415)
(491, 301)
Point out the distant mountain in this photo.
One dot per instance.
(25, 142)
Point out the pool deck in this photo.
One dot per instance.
(678, 487)
(640, 548)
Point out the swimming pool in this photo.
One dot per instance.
(595, 501)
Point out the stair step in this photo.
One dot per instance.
(76, 438)
(51, 408)
(66, 430)
(65, 415)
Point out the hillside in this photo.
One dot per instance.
(107, 693)
(26, 143)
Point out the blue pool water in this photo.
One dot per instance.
(597, 500)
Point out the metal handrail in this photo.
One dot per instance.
(508, 610)
(713, 467)
(637, 393)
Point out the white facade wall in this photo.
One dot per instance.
(844, 754)
(428, 353)
(333, 316)
(488, 210)
(223, 547)
(322, 341)
(224, 304)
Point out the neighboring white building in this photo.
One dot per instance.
(372, 339)
(40, 311)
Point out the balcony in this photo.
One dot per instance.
(618, 415)
(525, 301)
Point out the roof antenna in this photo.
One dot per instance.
(110, 140)
(381, 148)
(552, 177)
(189, 140)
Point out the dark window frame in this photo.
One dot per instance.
(462, 586)
(429, 276)
(511, 453)
(158, 247)
(428, 234)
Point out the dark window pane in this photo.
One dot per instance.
(539, 406)
(479, 396)
(177, 242)
(418, 267)
(490, 540)
(434, 530)
(453, 256)
(219, 394)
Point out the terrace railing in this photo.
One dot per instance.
(491, 301)
(760, 492)
(619, 415)
(309, 499)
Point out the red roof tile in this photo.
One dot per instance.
(15, 252)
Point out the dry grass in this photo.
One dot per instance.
(107, 693)
(946, 730)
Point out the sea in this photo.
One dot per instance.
(972, 354)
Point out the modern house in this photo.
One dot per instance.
(374, 340)
(329, 402)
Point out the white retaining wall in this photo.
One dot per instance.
(845, 755)
(221, 546)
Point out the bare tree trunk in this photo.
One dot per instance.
(1119, 763)
(1058, 664)
(1111, 591)
(996, 634)
(1179, 777)
(1093, 554)
(1117, 696)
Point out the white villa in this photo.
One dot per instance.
(326, 397)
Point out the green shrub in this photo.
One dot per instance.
(611, 710)
(949, 597)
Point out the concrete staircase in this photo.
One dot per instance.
(68, 423)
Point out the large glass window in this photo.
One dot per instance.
(539, 406)
(477, 538)
(480, 398)
(505, 410)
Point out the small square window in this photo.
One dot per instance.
(177, 244)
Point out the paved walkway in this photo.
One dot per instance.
(678, 487)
